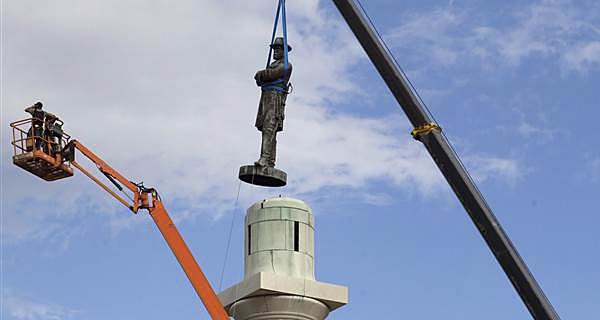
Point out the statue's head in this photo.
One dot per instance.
(278, 48)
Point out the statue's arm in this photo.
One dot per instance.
(271, 74)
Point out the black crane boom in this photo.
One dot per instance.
(449, 164)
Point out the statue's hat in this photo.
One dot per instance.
(279, 43)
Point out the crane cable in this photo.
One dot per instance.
(396, 61)
(432, 125)
(427, 127)
(233, 216)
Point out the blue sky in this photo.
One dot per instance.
(165, 93)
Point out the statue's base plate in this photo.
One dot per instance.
(263, 176)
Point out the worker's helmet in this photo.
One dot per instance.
(36, 107)
(279, 43)
(50, 117)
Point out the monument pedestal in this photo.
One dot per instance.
(263, 176)
(279, 274)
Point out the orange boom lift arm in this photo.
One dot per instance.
(52, 156)
(148, 199)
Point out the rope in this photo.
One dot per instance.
(233, 216)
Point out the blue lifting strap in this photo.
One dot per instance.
(276, 85)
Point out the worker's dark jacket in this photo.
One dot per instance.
(271, 100)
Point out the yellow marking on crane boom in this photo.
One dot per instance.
(424, 129)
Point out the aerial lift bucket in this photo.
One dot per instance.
(38, 153)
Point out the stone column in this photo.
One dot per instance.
(279, 279)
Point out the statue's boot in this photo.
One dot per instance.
(262, 162)
(267, 145)
(273, 151)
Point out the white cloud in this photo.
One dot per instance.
(484, 168)
(584, 56)
(18, 308)
(562, 30)
(165, 94)
(431, 32)
(529, 130)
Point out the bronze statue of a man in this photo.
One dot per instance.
(274, 85)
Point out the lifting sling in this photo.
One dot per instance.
(275, 85)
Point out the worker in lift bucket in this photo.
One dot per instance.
(52, 133)
(34, 135)
(274, 83)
